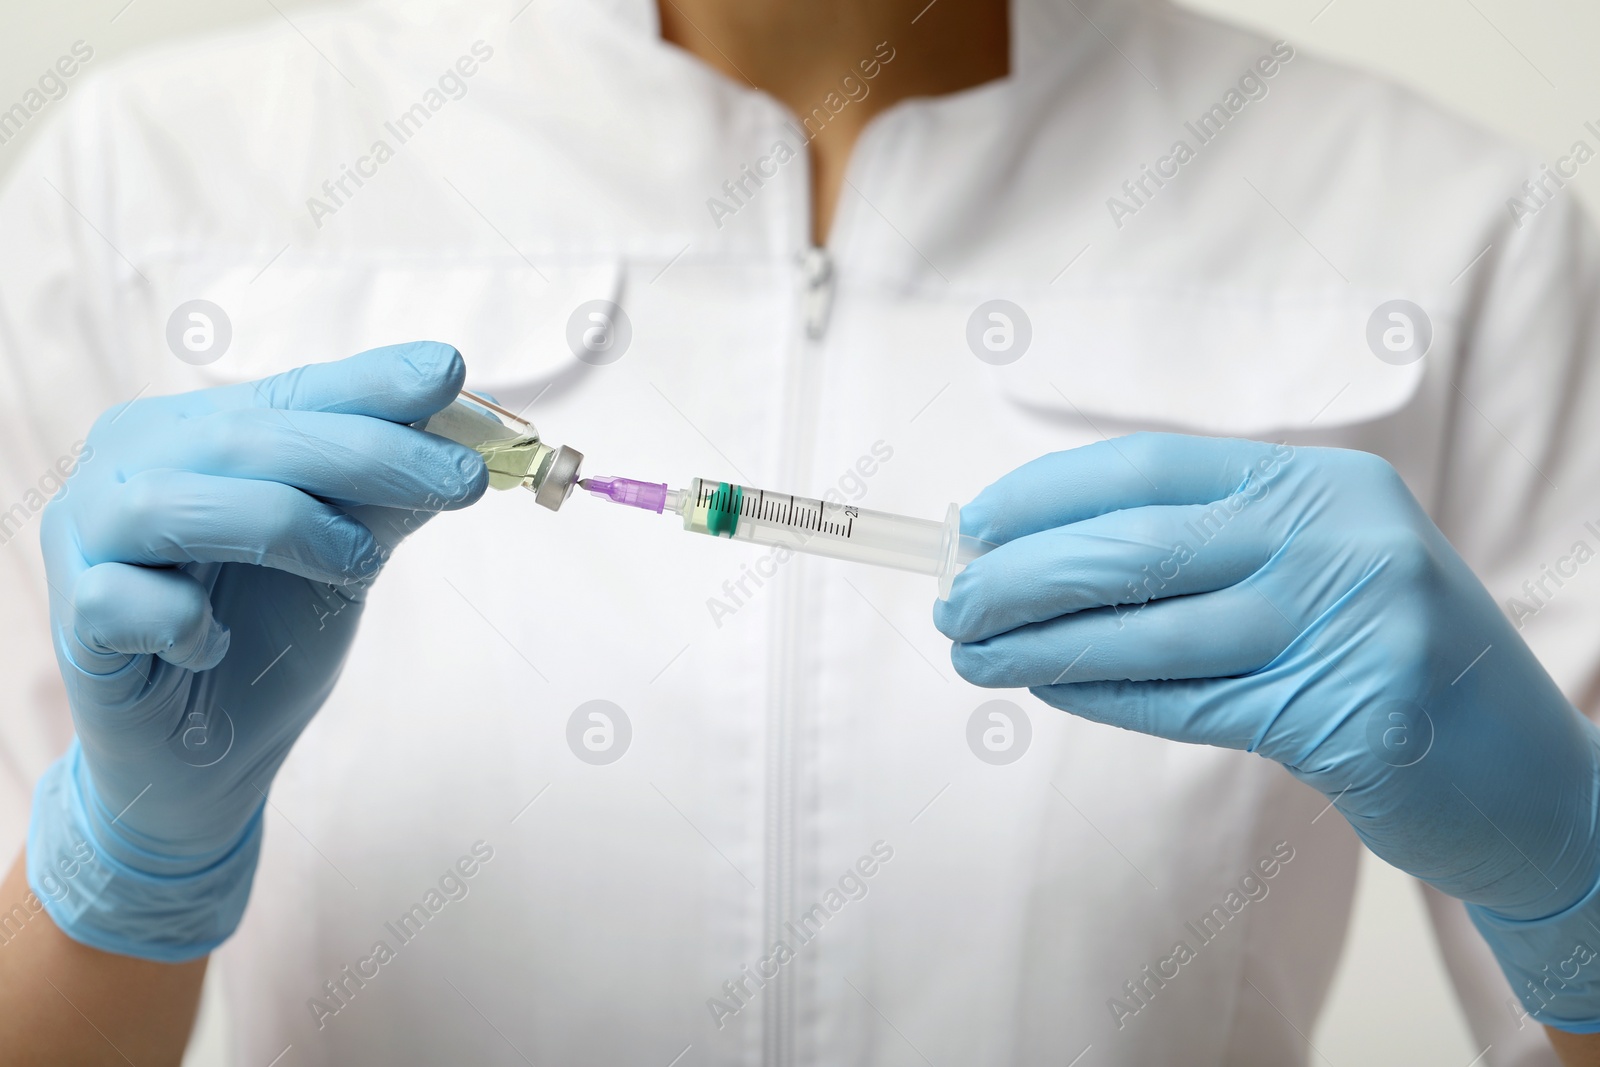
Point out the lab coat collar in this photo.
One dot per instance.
(1046, 35)
(641, 16)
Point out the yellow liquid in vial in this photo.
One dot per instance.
(514, 462)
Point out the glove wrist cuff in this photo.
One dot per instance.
(99, 892)
(1553, 964)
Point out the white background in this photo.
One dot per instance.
(1526, 68)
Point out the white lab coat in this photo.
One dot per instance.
(779, 739)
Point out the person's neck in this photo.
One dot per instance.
(815, 57)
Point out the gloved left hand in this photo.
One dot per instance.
(1298, 603)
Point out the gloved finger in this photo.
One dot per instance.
(129, 610)
(172, 516)
(1125, 557)
(1193, 712)
(390, 526)
(346, 459)
(1219, 634)
(399, 383)
(1136, 471)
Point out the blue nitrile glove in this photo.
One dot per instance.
(1298, 603)
(208, 562)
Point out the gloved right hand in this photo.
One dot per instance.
(208, 563)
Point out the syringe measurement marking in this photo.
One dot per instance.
(809, 517)
(794, 514)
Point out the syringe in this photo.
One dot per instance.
(805, 524)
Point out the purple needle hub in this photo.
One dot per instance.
(651, 496)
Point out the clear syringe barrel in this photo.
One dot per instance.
(824, 528)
